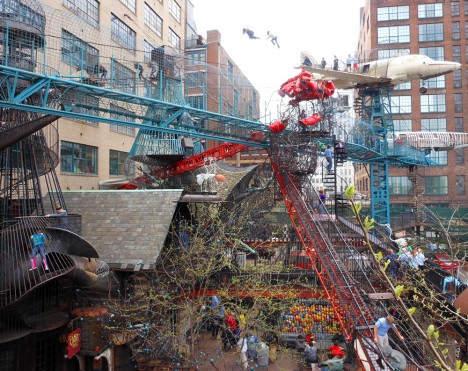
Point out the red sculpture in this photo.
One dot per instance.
(304, 87)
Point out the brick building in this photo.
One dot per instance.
(438, 30)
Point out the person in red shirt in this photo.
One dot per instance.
(336, 351)
(231, 326)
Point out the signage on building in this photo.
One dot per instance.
(73, 342)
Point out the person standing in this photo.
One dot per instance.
(349, 63)
(274, 38)
(381, 331)
(355, 63)
(329, 157)
(38, 240)
(323, 63)
(61, 214)
(310, 353)
(335, 64)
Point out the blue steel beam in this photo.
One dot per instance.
(37, 82)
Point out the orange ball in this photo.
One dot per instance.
(220, 178)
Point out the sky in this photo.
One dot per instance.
(322, 28)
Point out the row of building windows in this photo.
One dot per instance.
(433, 124)
(121, 33)
(434, 10)
(430, 103)
(76, 158)
(401, 34)
(433, 185)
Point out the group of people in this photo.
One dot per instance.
(407, 257)
(225, 323)
(351, 63)
(271, 36)
(307, 346)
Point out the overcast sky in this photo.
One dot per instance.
(322, 28)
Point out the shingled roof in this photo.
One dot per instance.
(127, 228)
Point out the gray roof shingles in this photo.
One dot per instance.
(125, 227)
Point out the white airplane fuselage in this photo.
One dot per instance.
(407, 68)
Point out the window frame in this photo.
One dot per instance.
(75, 166)
(434, 185)
(123, 34)
(426, 30)
(153, 21)
(427, 106)
(87, 10)
(393, 35)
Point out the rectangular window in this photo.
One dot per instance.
(174, 9)
(174, 39)
(439, 125)
(466, 30)
(195, 79)
(401, 104)
(436, 185)
(230, 71)
(431, 32)
(123, 78)
(460, 185)
(148, 48)
(459, 127)
(122, 114)
(122, 34)
(455, 7)
(153, 21)
(392, 13)
(456, 53)
(236, 102)
(465, 6)
(197, 57)
(399, 185)
(130, 4)
(439, 156)
(393, 34)
(117, 161)
(195, 101)
(402, 126)
(455, 30)
(78, 53)
(390, 53)
(460, 156)
(434, 52)
(433, 103)
(430, 10)
(78, 158)
(88, 10)
(457, 79)
(458, 102)
(435, 82)
(403, 86)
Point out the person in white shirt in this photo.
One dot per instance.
(274, 38)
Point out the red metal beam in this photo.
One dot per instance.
(345, 306)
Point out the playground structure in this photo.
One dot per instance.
(33, 95)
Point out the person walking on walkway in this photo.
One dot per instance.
(38, 240)
(381, 331)
(329, 157)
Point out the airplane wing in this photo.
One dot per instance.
(346, 80)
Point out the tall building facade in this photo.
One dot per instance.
(107, 43)
(215, 83)
(438, 29)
